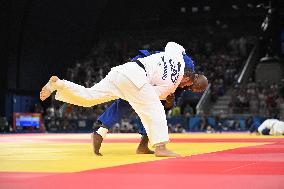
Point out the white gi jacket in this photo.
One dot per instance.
(164, 70)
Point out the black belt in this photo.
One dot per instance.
(140, 64)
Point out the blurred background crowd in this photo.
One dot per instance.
(222, 49)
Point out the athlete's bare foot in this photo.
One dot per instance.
(145, 150)
(162, 151)
(143, 146)
(53, 78)
(96, 142)
(45, 91)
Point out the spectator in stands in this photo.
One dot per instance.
(253, 104)
(126, 127)
(116, 128)
(176, 111)
(271, 104)
(188, 111)
(210, 129)
(4, 125)
(280, 107)
(203, 122)
(50, 113)
(171, 128)
(219, 122)
(262, 102)
(37, 108)
(178, 128)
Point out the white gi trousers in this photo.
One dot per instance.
(144, 100)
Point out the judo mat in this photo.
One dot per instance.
(227, 160)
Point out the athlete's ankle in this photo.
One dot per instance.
(102, 131)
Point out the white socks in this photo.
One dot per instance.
(102, 131)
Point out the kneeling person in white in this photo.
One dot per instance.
(274, 126)
(143, 86)
(278, 129)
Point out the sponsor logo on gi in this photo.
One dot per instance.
(165, 74)
(175, 71)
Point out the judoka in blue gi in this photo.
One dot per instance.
(143, 83)
(114, 113)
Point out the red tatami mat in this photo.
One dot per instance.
(260, 167)
(136, 140)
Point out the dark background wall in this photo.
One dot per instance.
(46, 36)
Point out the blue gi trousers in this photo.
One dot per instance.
(114, 113)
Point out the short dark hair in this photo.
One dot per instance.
(188, 72)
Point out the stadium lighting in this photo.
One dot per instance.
(183, 9)
(206, 8)
(194, 9)
(249, 5)
(235, 7)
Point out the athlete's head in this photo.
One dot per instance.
(193, 82)
(187, 79)
(200, 83)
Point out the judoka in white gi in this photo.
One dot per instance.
(272, 127)
(143, 84)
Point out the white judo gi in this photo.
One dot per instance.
(275, 126)
(143, 89)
